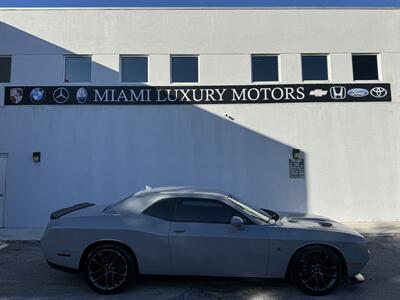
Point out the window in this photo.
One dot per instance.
(161, 209)
(204, 211)
(78, 69)
(264, 68)
(134, 69)
(5, 68)
(314, 67)
(184, 69)
(365, 67)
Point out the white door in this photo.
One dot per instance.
(3, 163)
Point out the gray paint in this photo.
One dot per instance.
(260, 250)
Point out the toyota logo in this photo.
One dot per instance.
(61, 95)
(378, 92)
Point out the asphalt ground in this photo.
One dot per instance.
(25, 274)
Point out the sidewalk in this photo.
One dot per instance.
(367, 228)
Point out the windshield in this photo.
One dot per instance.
(250, 209)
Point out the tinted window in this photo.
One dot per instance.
(264, 68)
(134, 69)
(203, 211)
(5, 69)
(314, 67)
(161, 209)
(365, 67)
(184, 68)
(78, 69)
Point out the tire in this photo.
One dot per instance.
(317, 270)
(109, 268)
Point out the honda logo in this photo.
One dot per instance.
(338, 92)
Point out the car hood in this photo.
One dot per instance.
(313, 222)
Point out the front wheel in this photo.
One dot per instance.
(317, 270)
(108, 269)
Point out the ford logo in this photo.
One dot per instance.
(358, 92)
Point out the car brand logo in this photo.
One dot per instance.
(16, 95)
(37, 95)
(378, 92)
(358, 92)
(60, 95)
(81, 95)
(318, 93)
(338, 92)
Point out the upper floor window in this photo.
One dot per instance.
(314, 67)
(264, 68)
(134, 69)
(78, 69)
(184, 68)
(5, 69)
(365, 67)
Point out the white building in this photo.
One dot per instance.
(257, 83)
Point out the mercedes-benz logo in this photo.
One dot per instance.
(378, 92)
(60, 95)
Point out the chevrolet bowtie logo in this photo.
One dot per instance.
(318, 93)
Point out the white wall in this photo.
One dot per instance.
(100, 154)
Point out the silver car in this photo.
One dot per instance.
(192, 231)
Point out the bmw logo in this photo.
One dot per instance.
(37, 95)
(81, 95)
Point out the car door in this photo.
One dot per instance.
(203, 242)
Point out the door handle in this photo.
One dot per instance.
(179, 230)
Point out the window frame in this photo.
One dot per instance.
(278, 56)
(378, 66)
(78, 56)
(184, 82)
(247, 220)
(172, 209)
(328, 67)
(11, 63)
(133, 82)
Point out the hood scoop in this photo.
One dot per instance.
(321, 222)
(325, 224)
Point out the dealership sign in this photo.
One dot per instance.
(136, 95)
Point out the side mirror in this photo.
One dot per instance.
(237, 222)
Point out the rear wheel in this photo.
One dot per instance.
(108, 269)
(317, 270)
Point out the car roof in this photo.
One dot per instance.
(181, 190)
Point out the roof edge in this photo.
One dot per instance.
(212, 8)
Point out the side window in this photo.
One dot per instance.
(203, 211)
(162, 209)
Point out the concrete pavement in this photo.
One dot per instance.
(25, 274)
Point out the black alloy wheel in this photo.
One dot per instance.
(108, 269)
(317, 270)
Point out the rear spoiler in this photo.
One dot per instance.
(59, 213)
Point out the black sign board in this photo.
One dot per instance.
(142, 95)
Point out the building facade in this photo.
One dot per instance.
(290, 109)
